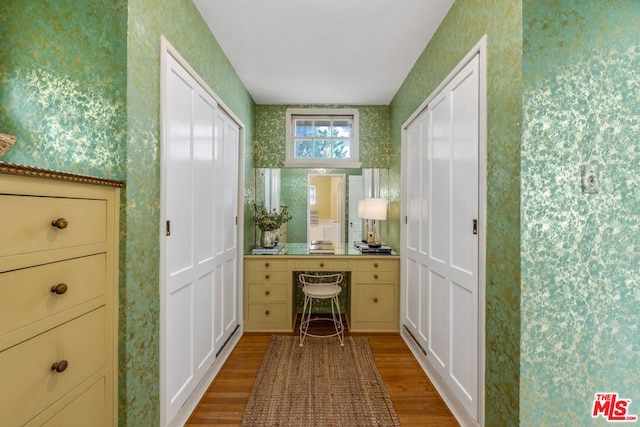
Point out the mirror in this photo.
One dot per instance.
(325, 209)
(291, 187)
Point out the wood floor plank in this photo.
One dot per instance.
(416, 401)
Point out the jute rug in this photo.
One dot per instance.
(320, 384)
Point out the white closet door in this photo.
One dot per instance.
(441, 262)
(226, 212)
(199, 251)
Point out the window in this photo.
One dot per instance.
(322, 138)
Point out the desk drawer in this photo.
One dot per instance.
(26, 296)
(376, 264)
(266, 263)
(376, 276)
(375, 303)
(267, 276)
(268, 292)
(29, 384)
(28, 223)
(321, 264)
(268, 313)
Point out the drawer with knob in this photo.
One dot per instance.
(374, 276)
(44, 223)
(267, 276)
(34, 298)
(267, 292)
(375, 303)
(39, 371)
(270, 263)
(265, 315)
(321, 264)
(376, 265)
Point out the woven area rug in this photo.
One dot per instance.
(320, 384)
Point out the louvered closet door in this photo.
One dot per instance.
(441, 262)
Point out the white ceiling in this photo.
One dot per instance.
(323, 51)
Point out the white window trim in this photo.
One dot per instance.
(353, 162)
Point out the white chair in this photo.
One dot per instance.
(321, 287)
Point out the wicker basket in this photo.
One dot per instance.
(6, 142)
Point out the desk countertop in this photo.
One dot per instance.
(341, 249)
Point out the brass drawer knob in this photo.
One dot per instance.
(321, 264)
(266, 265)
(59, 289)
(375, 265)
(375, 300)
(60, 223)
(266, 313)
(60, 366)
(375, 276)
(267, 293)
(266, 277)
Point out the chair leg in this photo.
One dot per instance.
(337, 322)
(304, 323)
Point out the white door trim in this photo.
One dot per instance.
(167, 50)
(479, 49)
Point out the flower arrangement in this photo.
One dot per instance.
(269, 221)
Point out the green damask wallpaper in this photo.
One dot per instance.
(63, 84)
(580, 252)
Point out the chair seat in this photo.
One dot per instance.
(321, 292)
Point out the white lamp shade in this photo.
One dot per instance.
(360, 208)
(373, 208)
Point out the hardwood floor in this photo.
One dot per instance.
(415, 400)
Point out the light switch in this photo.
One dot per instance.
(589, 179)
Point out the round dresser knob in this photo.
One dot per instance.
(375, 300)
(59, 289)
(375, 264)
(267, 293)
(375, 276)
(266, 276)
(60, 223)
(266, 264)
(60, 366)
(266, 312)
(322, 264)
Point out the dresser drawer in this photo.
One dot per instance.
(376, 264)
(268, 292)
(27, 296)
(268, 313)
(321, 264)
(29, 384)
(28, 223)
(267, 276)
(87, 409)
(374, 276)
(265, 263)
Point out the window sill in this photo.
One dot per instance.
(326, 165)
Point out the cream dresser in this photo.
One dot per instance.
(373, 300)
(58, 298)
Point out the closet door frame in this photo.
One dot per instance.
(182, 415)
(480, 49)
